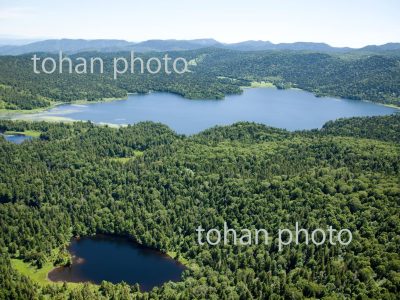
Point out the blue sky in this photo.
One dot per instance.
(352, 23)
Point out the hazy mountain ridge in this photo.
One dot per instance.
(66, 45)
(112, 45)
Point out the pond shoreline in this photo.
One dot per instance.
(81, 266)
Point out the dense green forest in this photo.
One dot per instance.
(147, 182)
(213, 74)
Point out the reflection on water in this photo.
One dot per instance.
(117, 259)
(290, 109)
(16, 139)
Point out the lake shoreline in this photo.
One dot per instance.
(77, 260)
(291, 109)
(254, 84)
(55, 104)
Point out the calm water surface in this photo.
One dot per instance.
(289, 109)
(16, 139)
(117, 259)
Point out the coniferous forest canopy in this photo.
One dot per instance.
(143, 179)
(209, 150)
(147, 183)
(214, 74)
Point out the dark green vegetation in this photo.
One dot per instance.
(375, 78)
(214, 74)
(384, 129)
(82, 179)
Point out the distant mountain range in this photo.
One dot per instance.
(79, 45)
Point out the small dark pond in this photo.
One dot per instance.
(117, 259)
(17, 138)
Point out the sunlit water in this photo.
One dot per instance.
(117, 259)
(16, 139)
(290, 109)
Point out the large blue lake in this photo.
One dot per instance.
(290, 109)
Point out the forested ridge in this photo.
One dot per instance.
(213, 74)
(157, 187)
